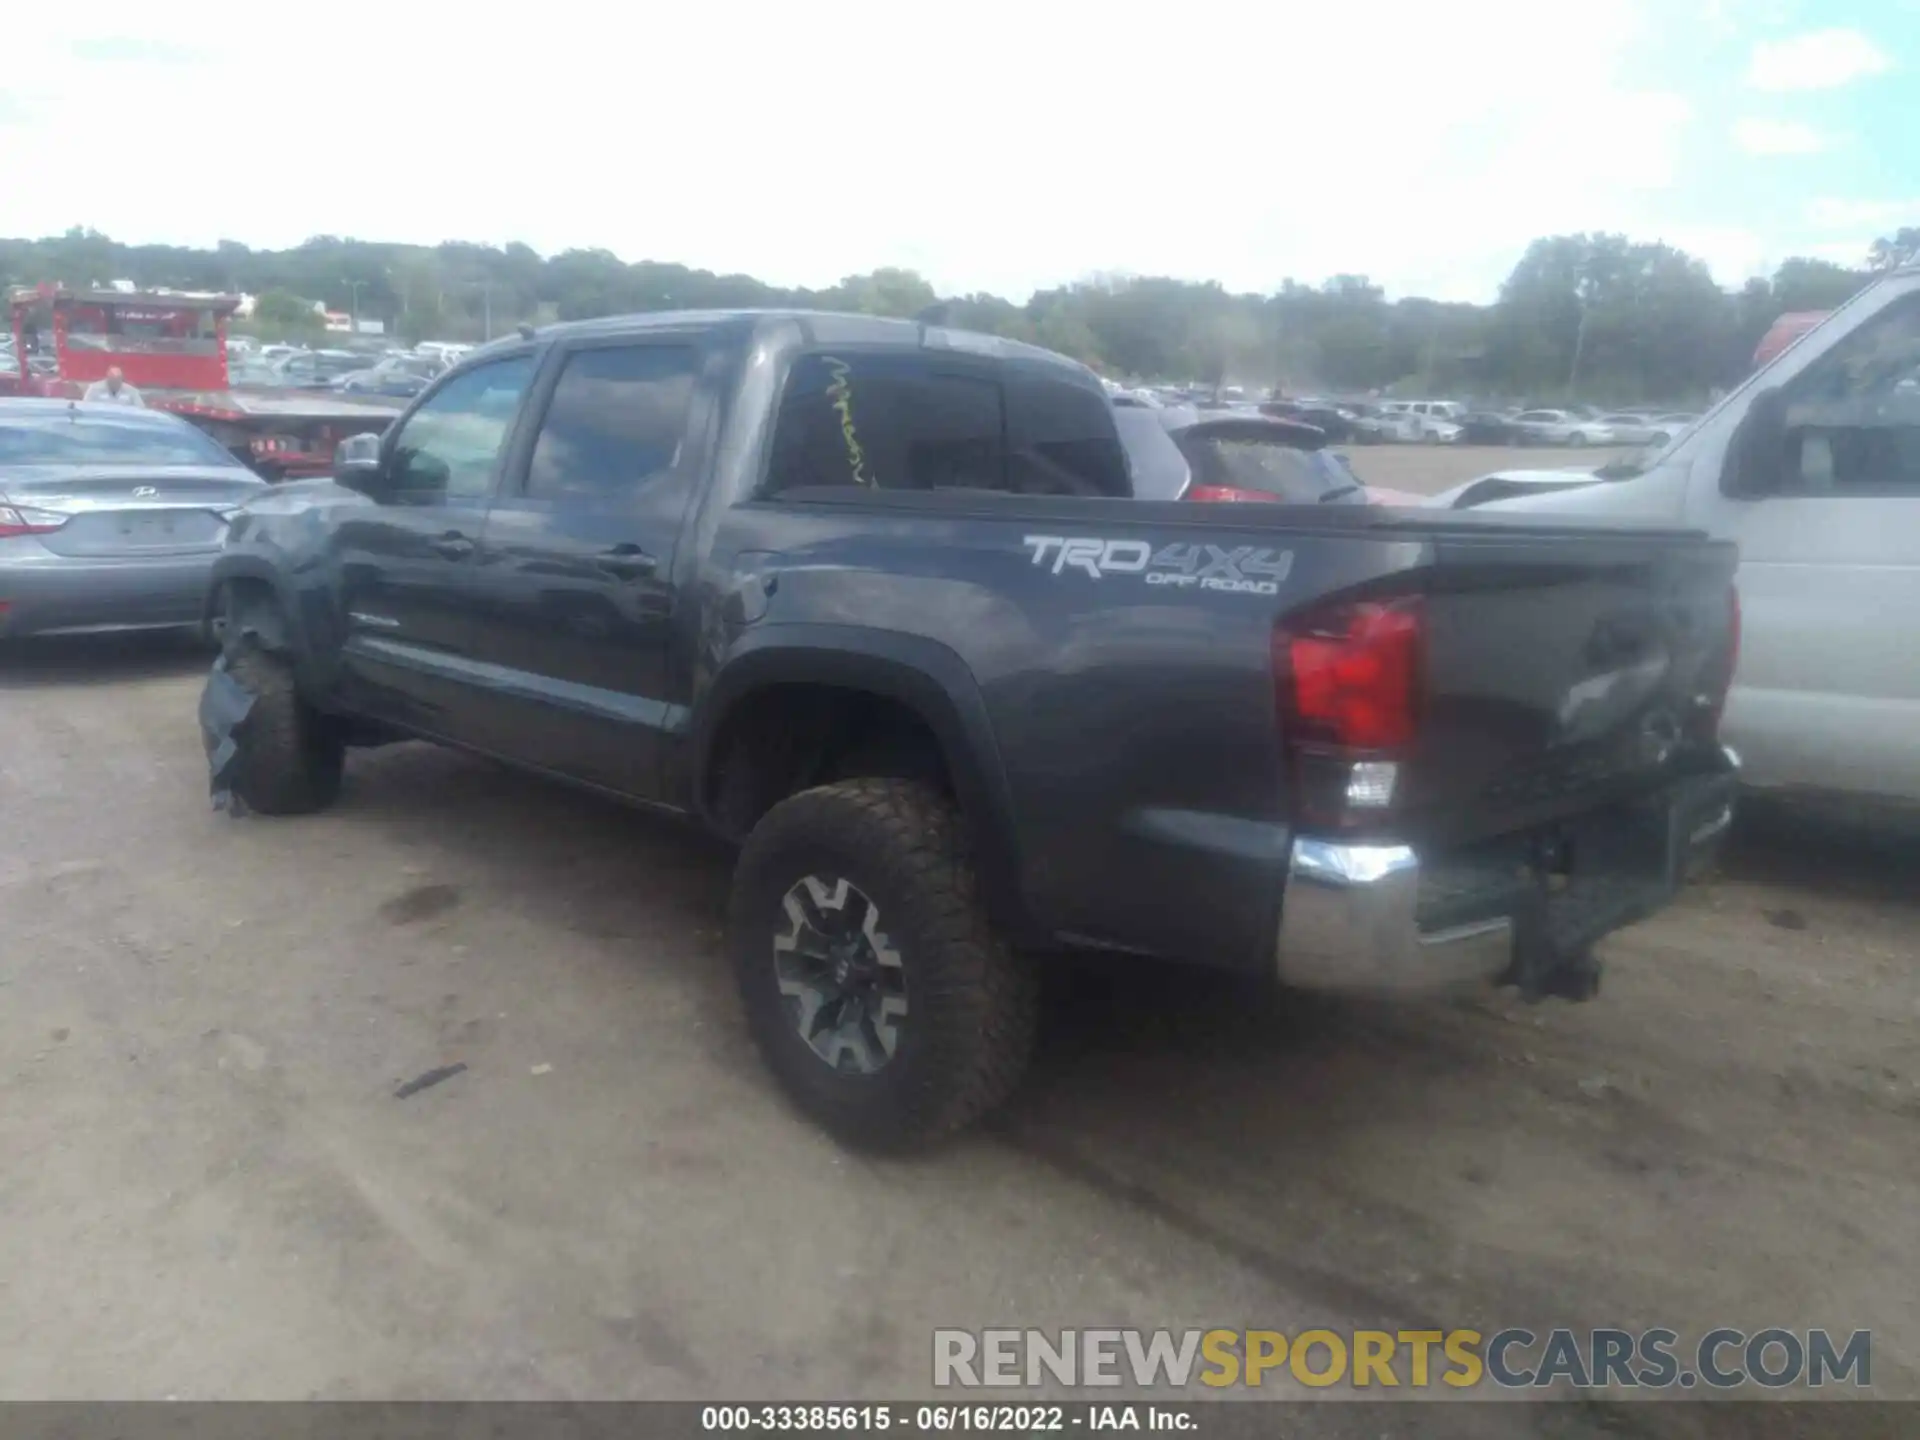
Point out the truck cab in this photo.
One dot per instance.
(1812, 467)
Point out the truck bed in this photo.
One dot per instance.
(1125, 654)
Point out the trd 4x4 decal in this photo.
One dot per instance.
(1244, 569)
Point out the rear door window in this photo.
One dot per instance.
(889, 422)
(1062, 438)
(910, 421)
(616, 423)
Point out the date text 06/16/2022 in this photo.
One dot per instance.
(948, 1419)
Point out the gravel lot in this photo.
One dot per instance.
(1429, 469)
(210, 1189)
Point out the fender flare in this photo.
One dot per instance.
(293, 635)
(922, 674)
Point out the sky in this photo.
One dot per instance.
(991, 146)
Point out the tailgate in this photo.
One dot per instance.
(1563, 672)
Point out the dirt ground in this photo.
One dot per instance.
(210, 1190)
(1429, 469)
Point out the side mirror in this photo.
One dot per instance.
(1757, 452)
(357, 465)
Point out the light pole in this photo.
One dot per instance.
(353, 302)
(1579, 345)
(485, 287)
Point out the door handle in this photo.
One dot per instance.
(453, 545)
(626, 561)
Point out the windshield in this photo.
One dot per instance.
(1269, 465)
(91, 440)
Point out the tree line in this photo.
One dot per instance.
(1595, 317)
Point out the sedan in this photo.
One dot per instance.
(317, 369)
(1634, 429)
(1562, 427)
(110, 517)
(1487, 427)
(402, 377)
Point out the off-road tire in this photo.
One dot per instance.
(973, 1003)
(290, 755)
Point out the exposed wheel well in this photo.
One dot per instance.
(248, 605)
(784, 738)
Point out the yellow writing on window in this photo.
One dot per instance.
(840, 395)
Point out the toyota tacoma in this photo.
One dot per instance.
(874, 599)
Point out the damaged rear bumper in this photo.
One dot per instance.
(1379, 917)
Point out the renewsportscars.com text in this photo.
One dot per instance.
(1511, 1359)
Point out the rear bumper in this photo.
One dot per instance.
(49, 594)
(1371, 917)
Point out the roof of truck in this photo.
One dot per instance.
(819, 327)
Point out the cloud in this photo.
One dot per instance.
(1817, 60)
(1850, 253)
(1028, 147)
(1758, 136)
(132, 50)
(1732, 253)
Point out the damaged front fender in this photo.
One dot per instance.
(225, 705)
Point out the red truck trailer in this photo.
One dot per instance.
(173, 349)
(1784, 331)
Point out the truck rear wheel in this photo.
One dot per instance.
(874, 984)
(290, 756)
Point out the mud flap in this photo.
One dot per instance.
(224, 706)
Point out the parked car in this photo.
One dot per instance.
(1489, 427)
(1181, 453)
(1671, 424)
(110, 517)
(1630, 428)
(1377, 425)
(1326, 417)
(401, 376)
(1431, 421)
(876, 601)
(317, 369)
(1812, 467)
(1646, 428)
(251, 372)
(1561, 427)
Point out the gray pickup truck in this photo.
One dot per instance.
(874, 599)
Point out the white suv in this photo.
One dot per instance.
(1434, 421)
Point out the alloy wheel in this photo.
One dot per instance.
(840, 976)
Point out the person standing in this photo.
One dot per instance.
(113, 390)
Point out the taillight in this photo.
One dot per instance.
(1348, 686)
(1356, 676)
(22, 520)
(1231, 493)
